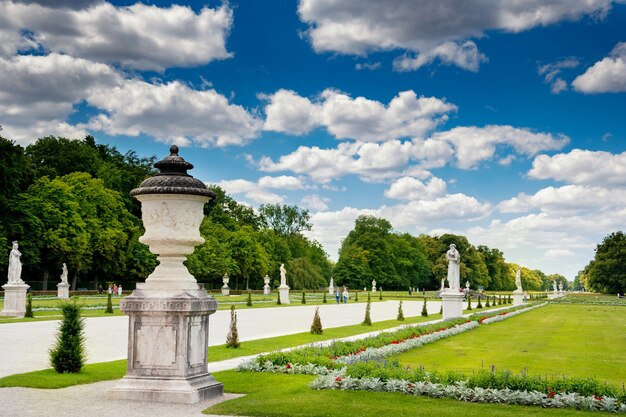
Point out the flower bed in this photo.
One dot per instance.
(507, 314)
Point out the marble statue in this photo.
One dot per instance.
(560, 287)
(15, 265)
(64, 274)
(467, 285)
(283, 275)
(373, 285)
(518, 280)
(443, 283)
(454, 267)
(554, 285)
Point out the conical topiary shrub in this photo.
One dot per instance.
(356, 297)
(380, 295)
(369, 296)
(249, 301)
(324, 299)
(68, 353)
(479, 305)
(424, 309)
(303, 298)
(316, 327)
(469, 302)
(232, 339)
(367, 320)
(441, 309)
(487, 304)
(400, 313)
(493, 302)
(29, 306)
(278, 295)
(109, 309)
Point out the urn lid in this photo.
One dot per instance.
(172, 178)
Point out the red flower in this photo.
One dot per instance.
(338, 379)
(410, 386)
(288, 365)
(597, 397)
(551, 393)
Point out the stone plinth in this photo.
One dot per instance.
(225, 290)
(553, 295)
(518, 298)
(267, 290)
(63, 291)
(14, 300)
(283, 290)
(452, 304)
(168, 339)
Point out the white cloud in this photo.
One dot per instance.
(475, 144)
(568, 200)
(284, 182)
(559, 253)
(358, 27)
(138, 36)
(315, 202)
(360, 118)
(551, 73)
(409, 188)
(368, 66)
(250, 190)
(581, 167)
(507, 160)
(172, 112)
(464, 56)
(605, 76)
(37, 93)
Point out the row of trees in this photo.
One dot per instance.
(372, 251)
(606, 273)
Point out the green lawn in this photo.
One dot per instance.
(289, 396)
(571, 340)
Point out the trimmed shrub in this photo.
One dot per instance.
(303, 298)
(109, 309)
(499, 299)
(494, 301)
(249, 301)
(367, 320)
(479, 305)
(232, 339)
(487, 304)
(29, 306)
(400, 313)
(356, 297)
(469, 302)
(316, 327)
(369, 296)
(424, 309)
(380, 295)
(441, 309)
(68, 353)
(509, 299)
(278, 295)
(324, 299)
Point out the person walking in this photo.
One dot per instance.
(345, 295)
(337, 295)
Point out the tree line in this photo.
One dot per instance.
(68, 201)
(606, 272)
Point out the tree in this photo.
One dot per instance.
(607, 271)
(303, 274)
(68, 353)
(284, 220)
(232, 339)
(316, 326)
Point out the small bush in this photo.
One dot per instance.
(479, 305)
(369, 296)
(441, 309)
(303, 298)
(29, 306)
(487, 304)
(232, 339)
(509, 299)
(469, 302)
(68, 353)
(494, 301)
(499, 299)
(278, 295)
(367, 320)
(316, 327)
(356, 297)
(324, 299)
(249, 302)
(424, 309)
(380, 295)
(400, 313)
(109, 309)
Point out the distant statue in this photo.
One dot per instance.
(454, 267)
(518, 280)
(560, 287)
(467, 285)
(331, 285)
(443, 283)
(64, 274)
(283, 275)
(373, 285)
(15, 265)
(554, 285)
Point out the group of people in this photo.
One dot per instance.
(339, 295)
(114, 289)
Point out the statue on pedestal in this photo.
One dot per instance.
(283, 275)
(518, 280)
(15, 265)
(64, 274)
(454, 267)
(373, 285)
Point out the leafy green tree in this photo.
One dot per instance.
(250, 260)
(284, 220)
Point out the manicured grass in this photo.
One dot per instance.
(47, 378)
(556, 340)
(289, 395)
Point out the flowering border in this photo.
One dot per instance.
(460, 391)
(508, 314)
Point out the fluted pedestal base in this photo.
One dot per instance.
(14, 300)
(452, 304)
(63, 291)
(284, 294)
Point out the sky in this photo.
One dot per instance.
(503, 121)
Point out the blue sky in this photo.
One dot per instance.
(502, 121)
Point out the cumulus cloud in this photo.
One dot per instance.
(406, 115)
(409, 188)
(581, 167)
(464, 56)
(250, 190)
(551, 72)
(359, 27)
(368, 66)
(139, 36)
(172, 112)
(475, 144)
(37, 93)
(605, 76)
(315, 202)
(284, 182)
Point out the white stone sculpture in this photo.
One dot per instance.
(283, 275)
(283, 290)
(443, 284)
(266, 287)
(225, 288)
(560, 287)
(467, 287)
(373, 285)
(331, 287)
(554, 285)
(454, 270)
(64, 274)
(518, 280)
(15, 265)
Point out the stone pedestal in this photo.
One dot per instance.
(225, 290)
(552, 295)
(518, 298)
(283, 290)
(452, 304)
(331, 290)
(14, 299)
(168, 339)
(267, 290)
(63, 291)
